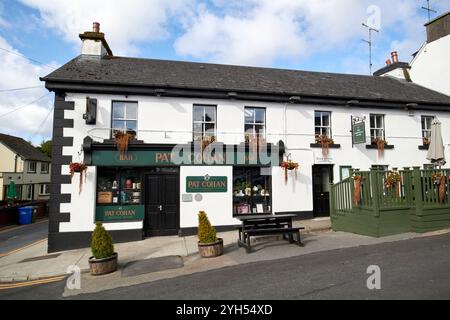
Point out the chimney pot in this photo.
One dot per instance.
(96, 27)
(394, 56)
(388, 62)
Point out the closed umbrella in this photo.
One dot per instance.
(11, 195)
(436, 150)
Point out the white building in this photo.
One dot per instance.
(430, 66)
(168, 103)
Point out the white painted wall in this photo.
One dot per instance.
(169, 120)
(7, 159)
(218, 206)
(93, 48)
(431, 66)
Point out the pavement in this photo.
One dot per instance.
(33, 262)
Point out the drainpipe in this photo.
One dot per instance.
(15, 163)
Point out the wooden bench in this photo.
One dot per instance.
(246, 233)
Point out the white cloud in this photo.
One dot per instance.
(126, 24)
(260, 32)
(18, 72)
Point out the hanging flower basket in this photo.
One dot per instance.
(425, 141)
(325, 143)
(80, 168)
(381, 143)
(358, 179)
(393, 179)
(439, 179)
(289, 166)
(122, 140)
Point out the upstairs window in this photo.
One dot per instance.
(426, 129)
(255, 123)
(204, 123)
(322, 123)
(31, 167)
(377, 127)
(44, 167)
(124, 116)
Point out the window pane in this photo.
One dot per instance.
(424, 123)
(318, 121)
(260, 129)
(325, 119)
(260, 115)
(381, 122)
(210, 129)
(318, 131)
(118, 110)
(131, 111)
(372, 121)
(249, 115)
(119, 125)
(326, 132)
(198, 129)
(198, 113)
(131, 125)
(249, 129)
(210, 115)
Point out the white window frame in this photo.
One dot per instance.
(255, 124)
(323, 128)
(378, 128)
(124, 119)
(426, 132)
(47, 166)
(204, 122)
(44, 189)
(29, 169)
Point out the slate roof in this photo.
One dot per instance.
(23, 148)
(204, 76)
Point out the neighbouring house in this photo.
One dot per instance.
(430, 66)
(192, 131)
(26, 166)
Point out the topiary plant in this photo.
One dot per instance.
(206, 232)
(101, 243)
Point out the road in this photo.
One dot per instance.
(18, 237)
(410, 269)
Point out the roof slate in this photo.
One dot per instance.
(23, 148)
(193, 75)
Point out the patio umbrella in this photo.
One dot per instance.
(11, 190)
(436, 152)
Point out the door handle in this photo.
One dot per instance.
(160, 207)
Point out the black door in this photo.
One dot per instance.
(322, 177)
(162, 203)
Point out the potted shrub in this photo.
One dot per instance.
(104, 259)
(209, 245)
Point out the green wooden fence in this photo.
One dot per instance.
(413, 204)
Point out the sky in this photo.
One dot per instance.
(38, 36)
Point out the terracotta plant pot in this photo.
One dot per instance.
(103, 266)
(211, 250)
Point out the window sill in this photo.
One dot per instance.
(424, 147)
(331, 146)
(374, 146)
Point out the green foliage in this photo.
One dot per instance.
(46, 147)
(206, 232)
(101, 243)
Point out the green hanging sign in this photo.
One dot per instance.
(359, 132)
(119, 213)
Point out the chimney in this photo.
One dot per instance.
(94, 43)
(394, 56)
(395, 69)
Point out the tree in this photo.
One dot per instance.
(46, 147)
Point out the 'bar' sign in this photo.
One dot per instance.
(206, 184)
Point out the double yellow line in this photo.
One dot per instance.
(30, 283)
(21, 248)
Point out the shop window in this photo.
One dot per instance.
(124, 116)
(204, 122)
(118, 187)
(251, 191)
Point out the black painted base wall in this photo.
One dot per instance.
(60, 241)
(192, 231)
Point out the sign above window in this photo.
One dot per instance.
(206, 184)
